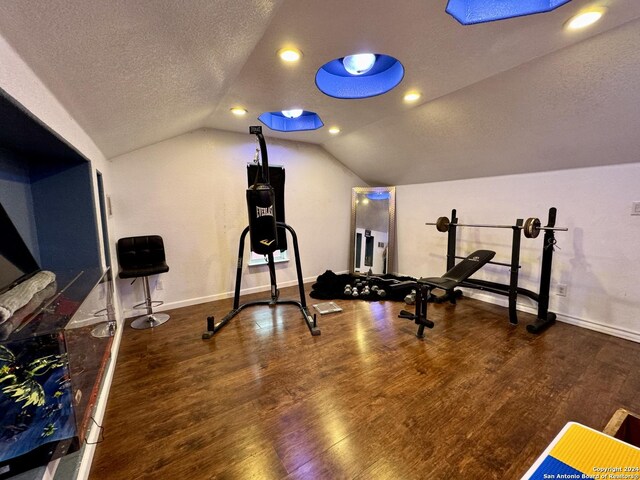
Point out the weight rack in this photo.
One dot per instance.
(545, 318)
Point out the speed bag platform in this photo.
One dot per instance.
(263, 231)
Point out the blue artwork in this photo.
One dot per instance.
(35, 396)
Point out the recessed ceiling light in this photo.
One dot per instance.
(412, 97)
(359, 63)
(334, 130)
(290, 54)
(293, 113)
(238, 111)
(584, 19)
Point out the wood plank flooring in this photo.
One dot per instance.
(263, 399)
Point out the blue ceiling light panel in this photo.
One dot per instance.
(334, 78)
(378, 195)
(468, 12)
(277, 121)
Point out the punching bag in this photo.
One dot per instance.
(276, 180)
(261, 208)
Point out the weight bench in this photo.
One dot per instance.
(447, 282)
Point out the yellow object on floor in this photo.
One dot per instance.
(581, 452)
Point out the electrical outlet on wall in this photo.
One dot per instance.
(635, 208)
(159, 285)
(561, 289)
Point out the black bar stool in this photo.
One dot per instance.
(140, 257)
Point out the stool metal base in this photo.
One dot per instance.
(104, 330)
(149, 321)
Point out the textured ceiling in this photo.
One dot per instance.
(512, 96)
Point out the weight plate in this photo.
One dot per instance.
(532, 227)
(442, 224)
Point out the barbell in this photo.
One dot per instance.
(531, 227)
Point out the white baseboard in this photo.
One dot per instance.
(600, 327)
(212, 298)
(561, 317)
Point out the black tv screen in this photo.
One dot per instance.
(16, 261)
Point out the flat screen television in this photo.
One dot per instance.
(16, 261)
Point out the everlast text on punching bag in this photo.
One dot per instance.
(262, 219)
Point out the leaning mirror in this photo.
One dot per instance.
(372, 230)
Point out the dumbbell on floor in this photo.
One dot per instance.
(410, 299)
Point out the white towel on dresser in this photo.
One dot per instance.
(20, 295)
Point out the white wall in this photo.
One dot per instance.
(598, 258)
(191, 190)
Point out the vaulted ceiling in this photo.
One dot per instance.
(512, 96)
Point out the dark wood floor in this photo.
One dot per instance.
(477, 399)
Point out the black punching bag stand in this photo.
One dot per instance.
(212, 326)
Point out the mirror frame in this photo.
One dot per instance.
(391, 242)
